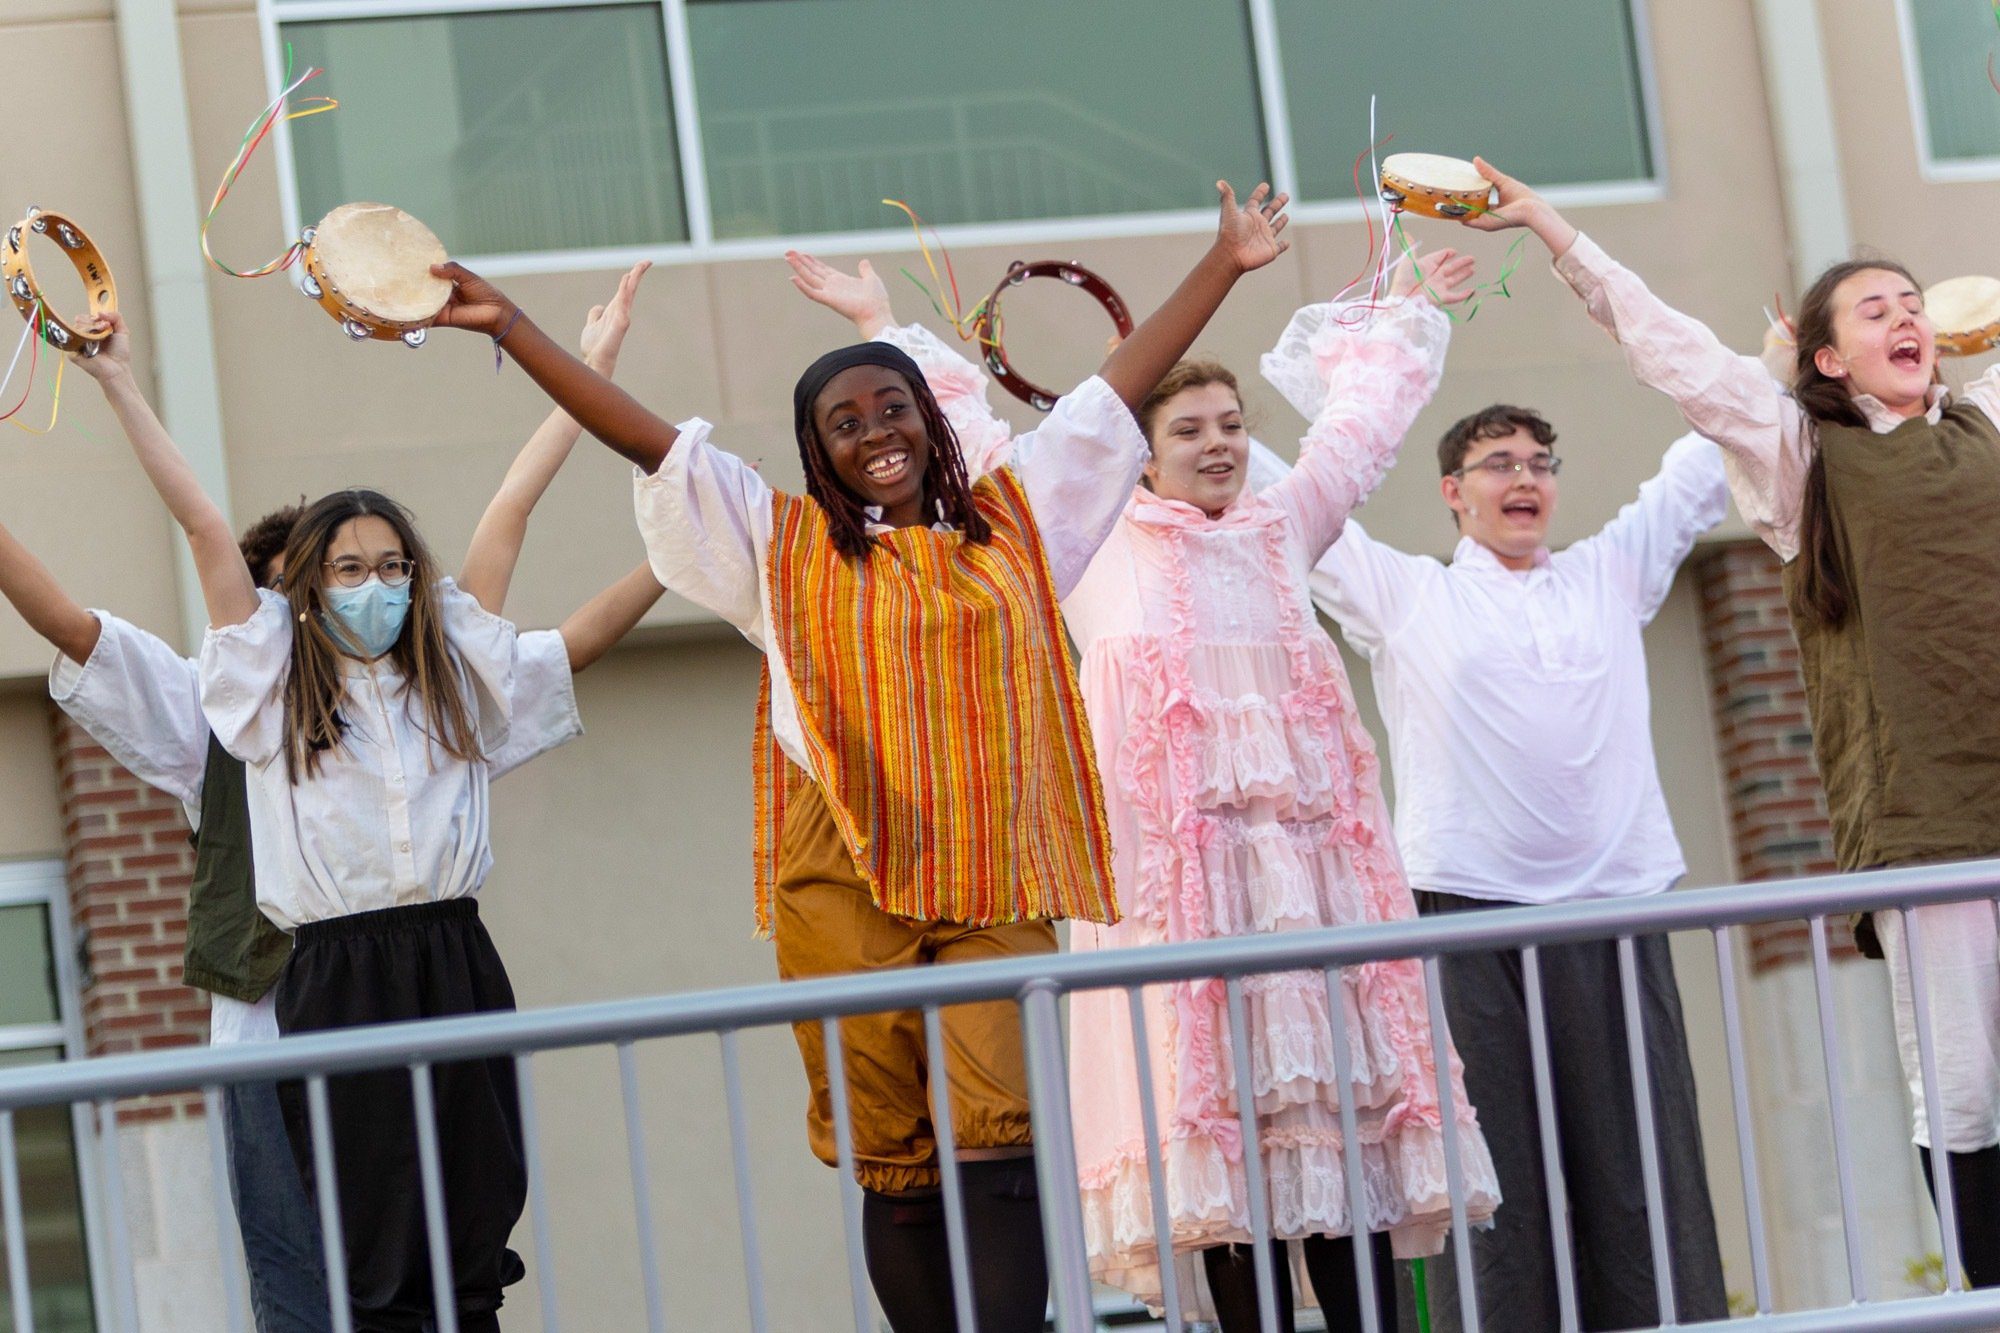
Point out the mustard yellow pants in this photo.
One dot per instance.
(827, 922)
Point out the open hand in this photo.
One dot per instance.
(475, 303)
(859, 296)
(114, 356)
(605, 328)
(1516, 204)
(1444, 277)
(1248, 235)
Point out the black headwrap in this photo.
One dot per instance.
(807, 391)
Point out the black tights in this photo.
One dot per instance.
(1232, 1283)
(1975, 1190)
(909, 1257)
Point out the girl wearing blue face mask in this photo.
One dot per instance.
(367, 698)
(364, 700)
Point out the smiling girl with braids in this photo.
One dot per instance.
(926, 787)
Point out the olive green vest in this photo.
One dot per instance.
(232, 947)
(1905, 692)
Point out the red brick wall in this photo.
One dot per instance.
(130, 865)
(1777, 810)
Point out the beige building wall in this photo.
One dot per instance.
(623, 863)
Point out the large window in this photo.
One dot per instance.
(814, 111)
(36, 1027)
(1552, 93)
(544, 134)
(513, 130)
(1945, 46)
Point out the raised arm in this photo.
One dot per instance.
(1730, 398)
(599, 406)
(594, 628)
(49, 611)
(227, 585)
(1246, 238)
(496, 542)
(1373, 380)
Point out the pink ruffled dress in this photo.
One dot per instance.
(1244, 796)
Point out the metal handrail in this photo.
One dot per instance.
(768, 1004)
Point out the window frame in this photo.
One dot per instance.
(45, 883)
(703, 247)
(1930, 167)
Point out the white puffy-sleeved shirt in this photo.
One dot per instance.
(141, 700)
(1516, 703)
(390, 819)
(705, 515)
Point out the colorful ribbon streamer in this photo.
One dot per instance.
(32, 338)
(963, 322)
(1364, 311)
(252, 138)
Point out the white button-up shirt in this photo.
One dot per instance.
(705, 515)
(141, 700)
(390, 819)
(1517, 704)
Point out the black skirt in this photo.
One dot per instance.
(430, 960)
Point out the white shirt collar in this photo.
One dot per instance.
(873, 513)
(1470, 554)
(1881, 420)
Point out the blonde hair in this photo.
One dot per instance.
(314, 686)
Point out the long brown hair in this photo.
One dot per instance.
(1823, 584)
(946, 484)
(314, 686)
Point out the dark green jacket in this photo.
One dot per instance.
(232, 947)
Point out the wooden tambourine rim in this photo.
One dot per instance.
(358, 321)
(84, 256)
(996, 355)
(1404, 194)
(1962, 342)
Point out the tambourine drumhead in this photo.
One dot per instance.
(1426, 183)
(1965, 314)
(379, 258)
(1449, 175)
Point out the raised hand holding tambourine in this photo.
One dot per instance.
(25, 291)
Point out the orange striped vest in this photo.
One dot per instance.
(942, 715)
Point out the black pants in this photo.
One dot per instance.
(426, 961)
(1514, 1262)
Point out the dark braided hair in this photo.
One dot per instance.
(946, 483)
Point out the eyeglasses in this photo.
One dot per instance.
(351, 572)
(1540, 467)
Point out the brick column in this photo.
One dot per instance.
(1777, 809)
(130, 865)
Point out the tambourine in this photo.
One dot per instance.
(19, 273)
(1965, 315)
(369, 266)
(1433, 186)
(987, 325)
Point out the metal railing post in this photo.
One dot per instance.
(1545, 1111)
(1256, 1195)
(1836, 1101)
(1746, 1134)
(948, 1177)
(1156, 1171)
(1055, 1160)
(228, 1237)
